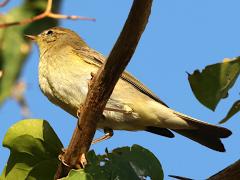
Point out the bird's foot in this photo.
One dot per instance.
(61, 157)
(82, 161)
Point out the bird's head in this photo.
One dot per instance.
(57, 37)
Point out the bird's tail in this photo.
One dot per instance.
(206, 134)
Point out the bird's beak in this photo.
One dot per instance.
(31, 37)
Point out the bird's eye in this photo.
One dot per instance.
(49, 32)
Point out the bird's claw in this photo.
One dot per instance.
(61, 158)
(82, 162)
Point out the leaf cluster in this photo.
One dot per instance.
(34, 149)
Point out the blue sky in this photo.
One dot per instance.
(181, 36)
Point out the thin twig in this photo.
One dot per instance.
(47, 13)
(49, 6)
(72, 17)
(102, 85)
(4, 3)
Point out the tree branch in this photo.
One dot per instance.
(229, 173)
(4, 3)
(103, 84)
(47, 13)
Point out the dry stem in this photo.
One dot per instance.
(4, 3)
(47, 13)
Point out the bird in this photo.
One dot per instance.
(66, 66)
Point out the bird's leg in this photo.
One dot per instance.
(108, 134)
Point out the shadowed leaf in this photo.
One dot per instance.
(234, 109)
(14, 47)
(132, 163)
(78, 175)
(212, 84)
(34, 149)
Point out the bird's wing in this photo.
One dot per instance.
(93, 57)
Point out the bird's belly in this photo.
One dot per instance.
(134, 110)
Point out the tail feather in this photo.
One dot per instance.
(219, 131)
(160, 131)
(204, 133)
(205, 138)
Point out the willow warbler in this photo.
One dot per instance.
(65, 68)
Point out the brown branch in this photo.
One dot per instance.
(103, 84)
(229, 173)
(47, 13)
(4, 3)
(1, 74)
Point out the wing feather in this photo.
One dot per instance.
(93, 57)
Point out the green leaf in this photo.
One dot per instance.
(14, 47)
(34, 149)
(234, 109)
(38, 129)
(78, 175)
(137, 158)
(19, 165)
(213, 83)
(135, 163)
(44, 170)
(125, 163)
(95, 168)
(29, 145)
